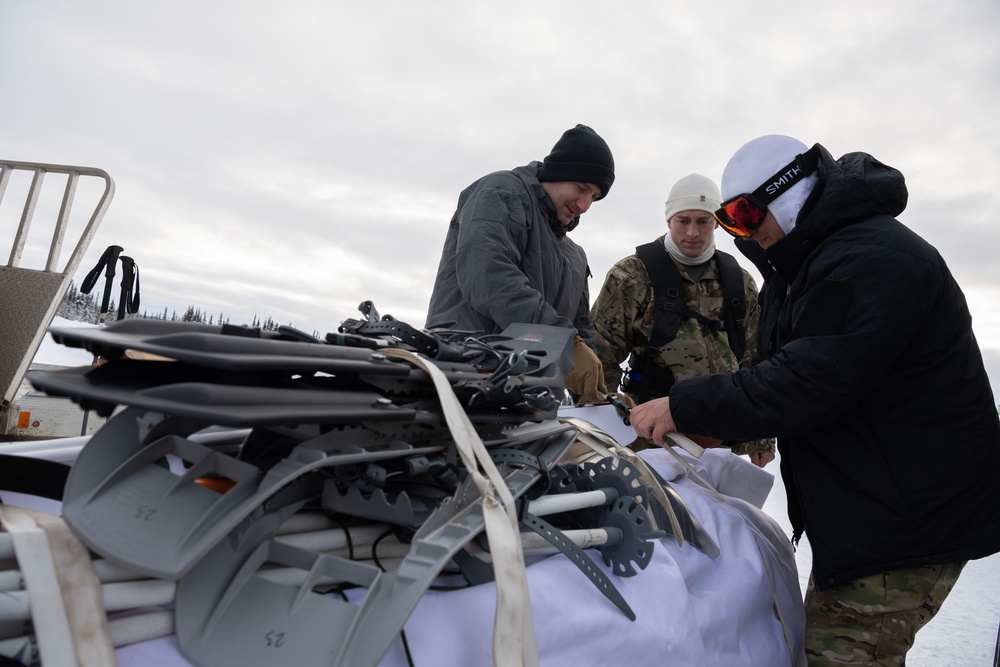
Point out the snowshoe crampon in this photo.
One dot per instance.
(420, 436)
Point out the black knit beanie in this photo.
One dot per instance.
(580, 156)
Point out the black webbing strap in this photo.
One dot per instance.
(129, 302)
(670, 309)
(646, 379)
(35, 477)
(734, 309)
(108, 262)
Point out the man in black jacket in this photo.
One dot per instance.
(870, 377)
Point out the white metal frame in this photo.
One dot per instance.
(8, 167)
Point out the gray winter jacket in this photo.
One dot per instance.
(507, 259)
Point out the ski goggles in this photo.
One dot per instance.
(743, 214)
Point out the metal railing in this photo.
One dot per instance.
(29, 298)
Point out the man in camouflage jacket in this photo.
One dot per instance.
(623, 312)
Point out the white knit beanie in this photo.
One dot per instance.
(694, 192)
(757, 161)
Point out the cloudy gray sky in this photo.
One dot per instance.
(294, 159)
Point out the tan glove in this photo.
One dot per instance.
(586, 380)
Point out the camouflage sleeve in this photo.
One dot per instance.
(614, 313)
(752, 318)
(749, 446)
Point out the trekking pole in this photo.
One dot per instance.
(107, 262)
(996, 651)
(129, 300)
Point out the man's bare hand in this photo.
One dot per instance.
(652, 419)
(761, 457)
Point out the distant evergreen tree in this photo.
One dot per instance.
(78, 306)
(81, 307)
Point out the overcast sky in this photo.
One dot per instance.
(294, 159)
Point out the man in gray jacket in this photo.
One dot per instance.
(507, 257)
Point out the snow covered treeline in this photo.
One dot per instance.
(81, 307)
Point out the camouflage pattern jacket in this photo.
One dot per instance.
(623, 319)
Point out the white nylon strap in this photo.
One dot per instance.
(685, 443)
(514, 643)
(590, 431)
(65, 595)
(604, 444)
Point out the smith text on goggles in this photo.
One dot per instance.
(743, 214)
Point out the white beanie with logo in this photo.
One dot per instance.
(760, 159)
(694, 192)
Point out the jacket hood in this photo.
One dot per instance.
(529, 174)
(850, 190)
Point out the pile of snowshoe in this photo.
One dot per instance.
(351, 435)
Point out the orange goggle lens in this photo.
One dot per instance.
(740, 216)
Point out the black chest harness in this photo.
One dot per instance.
(646, 379)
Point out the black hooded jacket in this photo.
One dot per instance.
(872, 380)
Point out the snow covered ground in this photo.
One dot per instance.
(964, 633)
